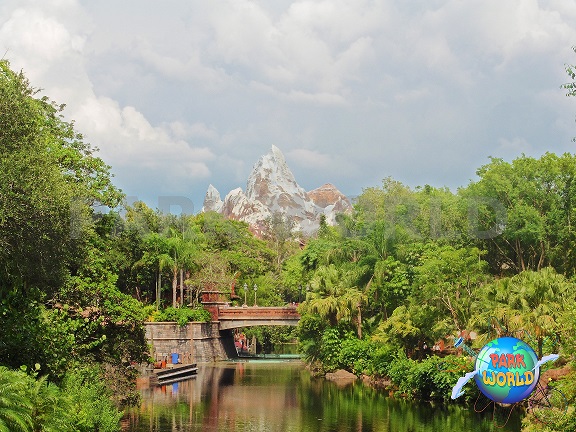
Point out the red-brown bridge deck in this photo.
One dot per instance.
(248, 316)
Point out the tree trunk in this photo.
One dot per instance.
(181, 287)
(520, 255)
(542, 255)
(359, 321)
(540, 346)
(158, 289)
(448, 304)
(174, 286)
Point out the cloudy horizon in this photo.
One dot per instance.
(182, 94)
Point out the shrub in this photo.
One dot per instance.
(380, 360)
(430, 379)
(81, 404)
(330, 348)
(15, 404)
(310, 329)
(400, 372)
(183, 315)
(91, 408)
(355, 355)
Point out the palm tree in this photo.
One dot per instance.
(164, 260)
(183, 247)
(156, 254)
(531, 304)
(536, 301)
(334, 299)
(325, 294)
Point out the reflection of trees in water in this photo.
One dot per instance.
(327, 407)
(249, 396)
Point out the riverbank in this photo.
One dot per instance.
(411, 385)
(267, 395)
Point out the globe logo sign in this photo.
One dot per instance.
(507, 370)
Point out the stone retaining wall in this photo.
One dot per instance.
(195, 342)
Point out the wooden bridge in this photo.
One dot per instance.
(231, 317)
(247, 316)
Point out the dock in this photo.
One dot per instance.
(173, 374)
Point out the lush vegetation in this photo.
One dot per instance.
(81, 403)
(80, 271)
(410, 269)
(64, 319)
(406, 270)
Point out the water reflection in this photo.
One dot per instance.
(281, 396)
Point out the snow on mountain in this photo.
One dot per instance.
(271, 187)
(239, 207)
(212, 201)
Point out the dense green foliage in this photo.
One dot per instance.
(410, 270)
(406, 271)
(182, 315)
(81, 404)
(60, 305)
(80, 273)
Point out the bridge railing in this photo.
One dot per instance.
(261, 312)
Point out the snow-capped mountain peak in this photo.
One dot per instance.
(271, 188)
(212, 201)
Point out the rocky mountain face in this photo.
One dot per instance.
(272, 188)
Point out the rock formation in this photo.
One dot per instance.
(272, 188)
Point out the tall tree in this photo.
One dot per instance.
(183, 246)
(524, 213)
(333, 297)
(449, 278)
(49, 181)
(278, 232)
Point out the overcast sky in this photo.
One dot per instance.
(180, 94)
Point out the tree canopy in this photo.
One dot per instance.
(406, 270)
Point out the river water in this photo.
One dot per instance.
(281, 396)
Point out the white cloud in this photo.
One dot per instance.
(493, 31)
(184, 94)
(196, 130)
(512, 147)
(310, 158)
(412, 95)
(37, 41)
(40, 36)
(50, 49)
(311, 48)
(320, 98)
(132, 142)
(339, 21)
